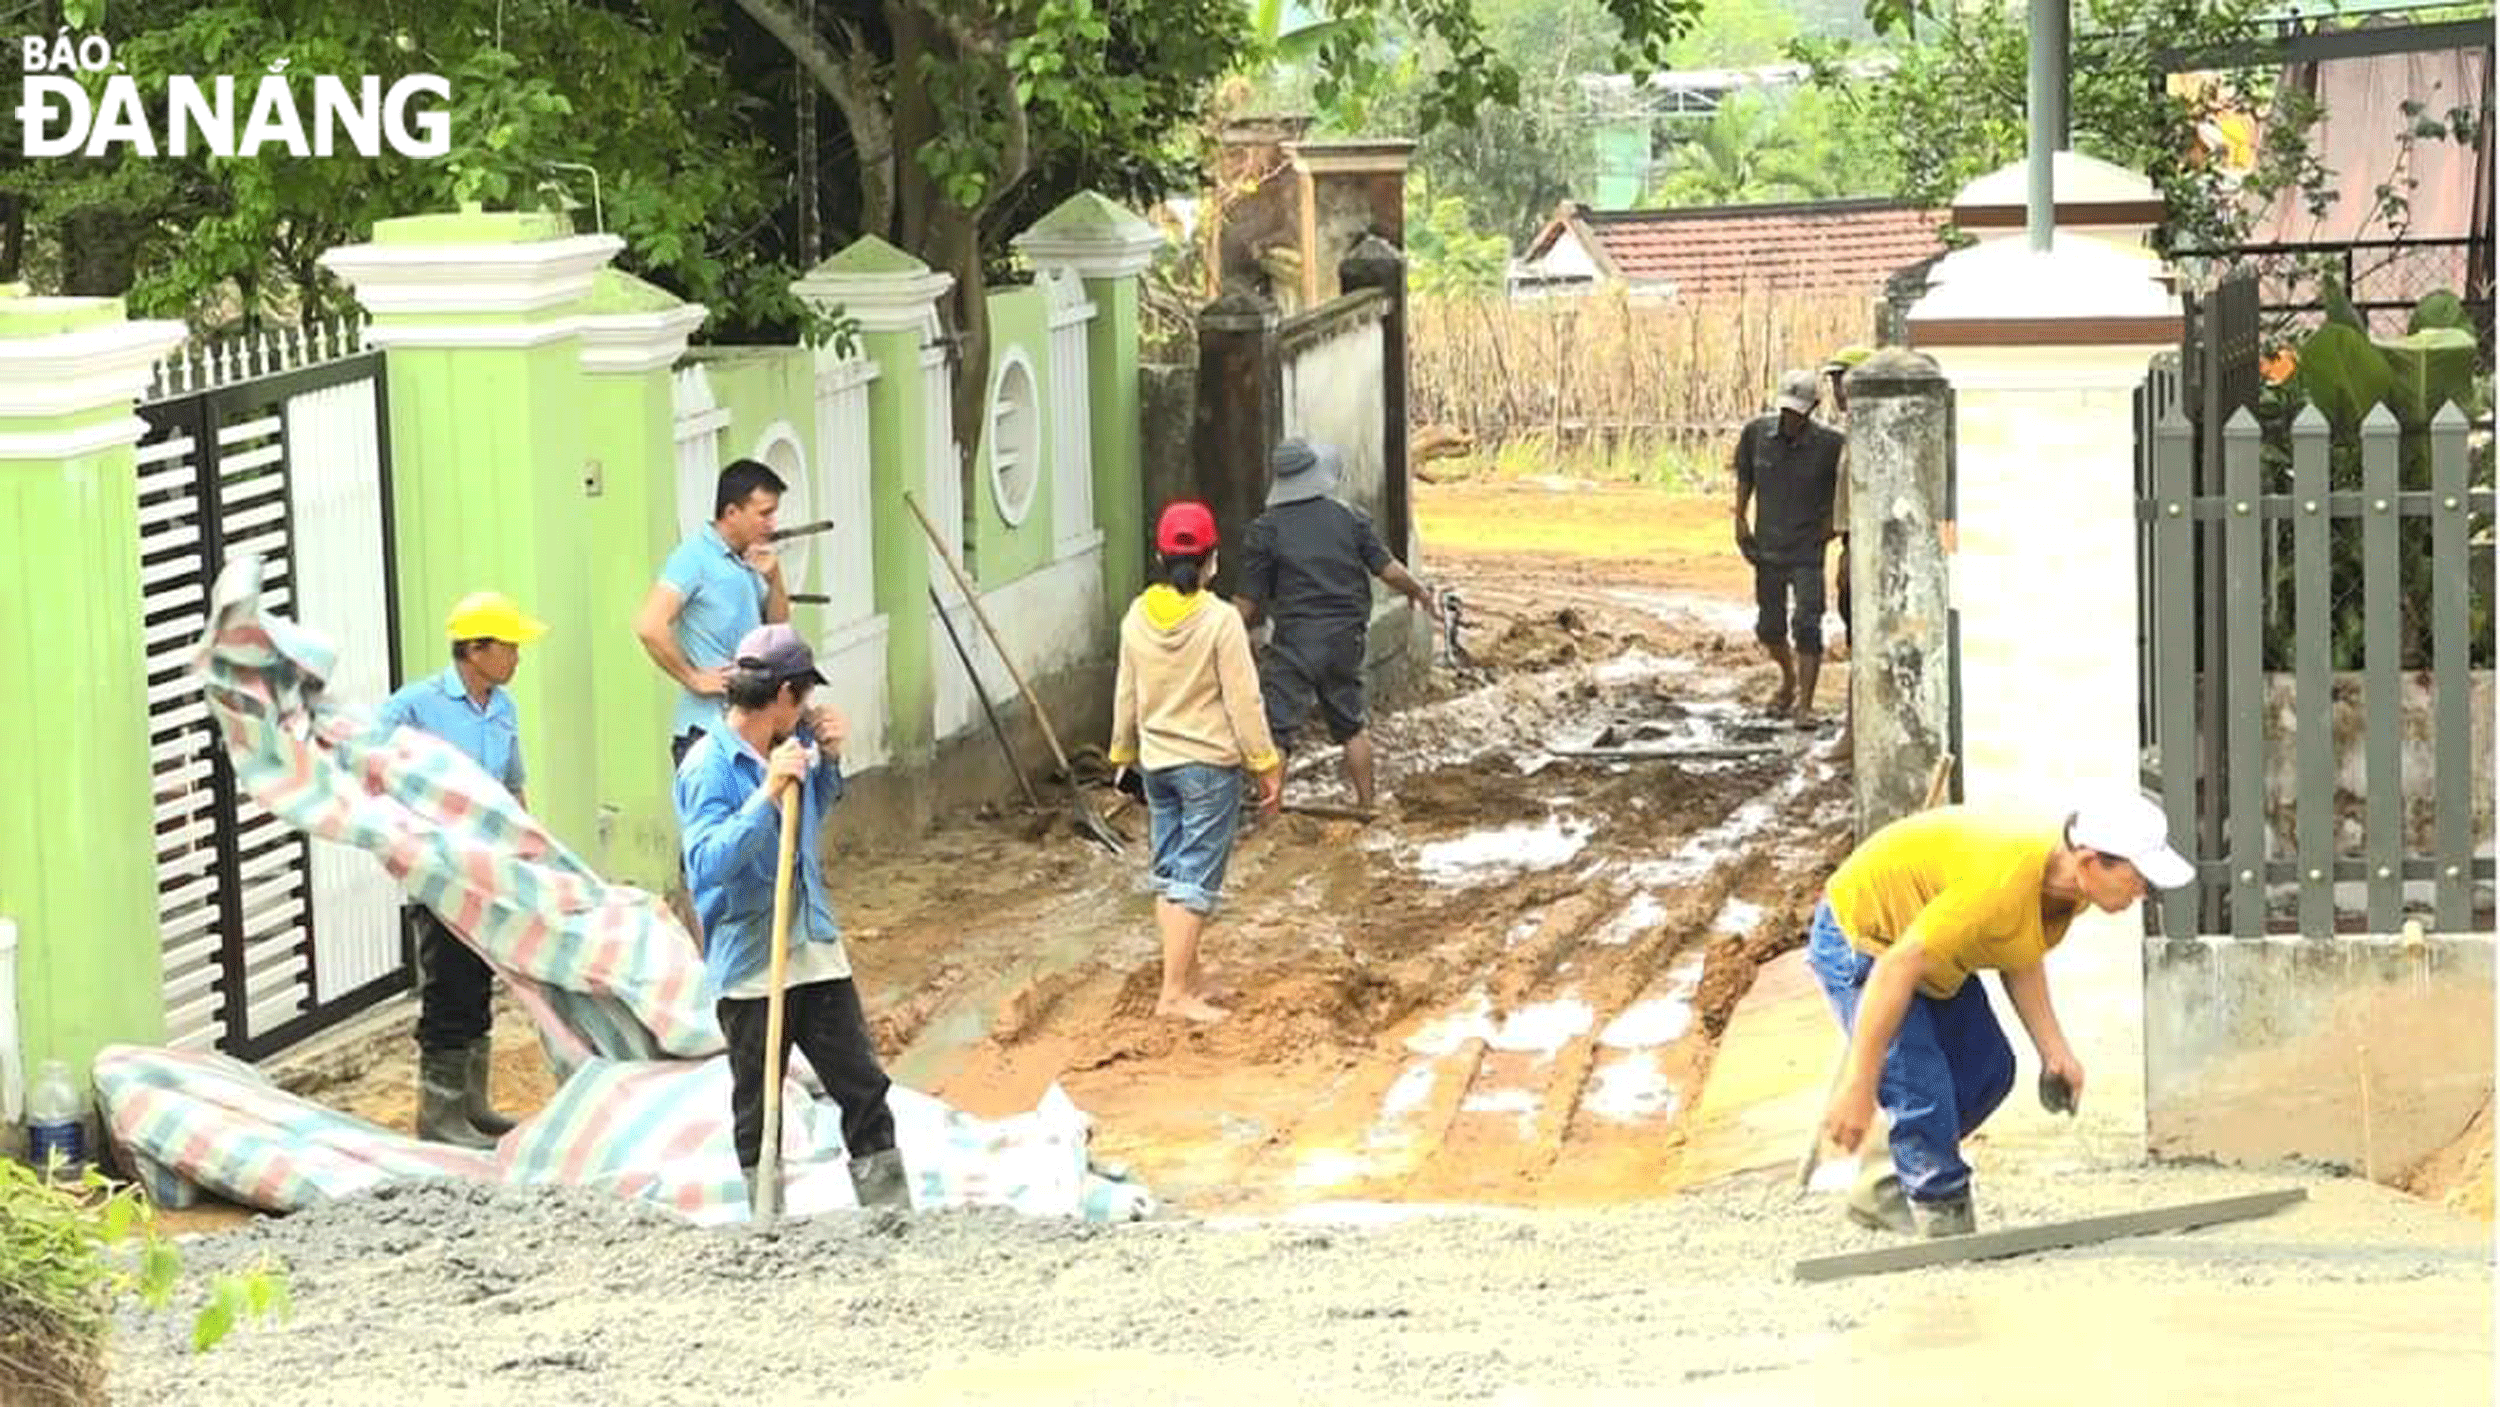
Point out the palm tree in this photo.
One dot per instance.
(1743, 155)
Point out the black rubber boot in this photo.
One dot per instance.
(880, 1180)
(480, 1109)
(1950, 1216)
(442, 1100)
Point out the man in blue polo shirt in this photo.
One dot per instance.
(729, 788)
(466, 706)
(721, 582)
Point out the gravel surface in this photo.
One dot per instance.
(453, 1294)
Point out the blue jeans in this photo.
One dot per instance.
(1193, 811)
(1950, 1066)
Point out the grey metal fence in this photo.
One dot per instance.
(2355, 792)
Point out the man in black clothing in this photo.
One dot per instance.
(1787, 470)
(1310, 561)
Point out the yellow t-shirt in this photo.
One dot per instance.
(1965, 883)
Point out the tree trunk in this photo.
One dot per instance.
(12, 238)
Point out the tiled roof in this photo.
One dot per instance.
(1829, 245)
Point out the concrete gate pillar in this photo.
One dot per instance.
(488, 434)
(893, 298)
(2044, 352)
(1899, 685)
(631, 337)
(1093, 237)
(77, 835)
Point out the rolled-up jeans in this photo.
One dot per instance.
(1949, 1068)
(1193, 811)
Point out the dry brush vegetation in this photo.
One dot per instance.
(1608, 383)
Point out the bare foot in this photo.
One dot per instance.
(1783, 701)
(1190, 1009)
(1804, 718)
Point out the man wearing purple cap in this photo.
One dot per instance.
(729, 792)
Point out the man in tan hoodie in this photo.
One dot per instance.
(1185, 712)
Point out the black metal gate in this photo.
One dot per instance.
(265, 939)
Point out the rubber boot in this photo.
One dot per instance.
(442, 1100)
(746, 1174)
(480, 1109)
(880, 1180)
(1949, 1216)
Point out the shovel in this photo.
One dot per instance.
(1081, 807)
(767, 1208)
(938, 608)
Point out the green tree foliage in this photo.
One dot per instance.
(1447, 256)
(1757, 148)
(1950, 106)
(682, 175)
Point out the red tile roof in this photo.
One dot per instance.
(1828, 245)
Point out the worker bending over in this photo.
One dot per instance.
(1920, 906)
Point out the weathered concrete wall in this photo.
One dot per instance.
(2369, 1054)
(1900, 676)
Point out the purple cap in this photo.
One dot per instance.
(779, 651)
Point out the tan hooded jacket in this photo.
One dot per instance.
(1187, 689)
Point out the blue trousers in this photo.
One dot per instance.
(1949, 1068)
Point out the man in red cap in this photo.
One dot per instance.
(1185, 712)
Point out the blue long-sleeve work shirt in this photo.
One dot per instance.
(731, 834)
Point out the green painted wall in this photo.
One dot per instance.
(631, 434)
(897, 430)
(1019, 321)
(1119, 459)
(487, 448)
(77, 840)
(758, 386)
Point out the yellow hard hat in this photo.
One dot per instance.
(490, 615)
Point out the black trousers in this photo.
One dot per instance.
(455, 987)
(1775, 621)
(825, 1021)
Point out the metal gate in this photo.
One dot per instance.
(2308, 596)
(268, 937)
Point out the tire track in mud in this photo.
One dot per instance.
(1507, 991)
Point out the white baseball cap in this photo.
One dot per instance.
(1799, 391)
(2132, 828)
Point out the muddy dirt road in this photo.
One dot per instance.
(1506, 994)
(1502, 992)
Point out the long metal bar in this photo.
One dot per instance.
(2452, 724)
(2174, 650)
(2243, 666)
(2313, 683)
(2056, 1235)
(2383, 664)
(2045, 101)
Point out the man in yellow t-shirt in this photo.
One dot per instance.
(1910, 915)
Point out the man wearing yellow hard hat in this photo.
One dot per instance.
(466, 706)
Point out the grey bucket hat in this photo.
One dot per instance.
(1298, 470)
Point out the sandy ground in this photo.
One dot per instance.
(459, 1295)
(1436, 1153)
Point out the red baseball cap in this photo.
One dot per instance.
(1187, 529)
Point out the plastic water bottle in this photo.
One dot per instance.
(53, 1130)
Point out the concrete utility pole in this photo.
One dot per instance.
(2046, 99)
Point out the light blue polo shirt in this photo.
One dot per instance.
(721, 598)
(440, 705)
